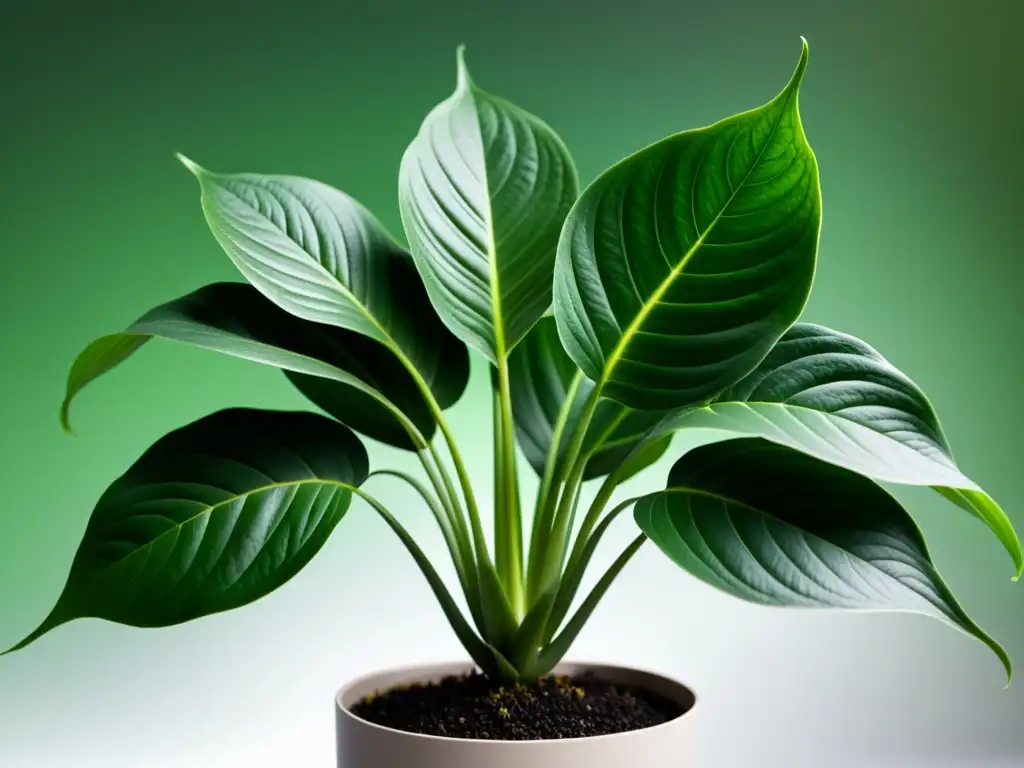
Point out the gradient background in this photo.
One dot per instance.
(914, 110)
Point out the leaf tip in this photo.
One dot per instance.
(801, 66)
(194, 167)
(464, 80)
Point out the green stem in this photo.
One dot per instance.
(508, 522)
(556, 541)
(463, 560)
(545, 498)
(476, 647)
(442, 483)
(577, 567)
(558, 647)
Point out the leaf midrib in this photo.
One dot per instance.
(209, 509)
(653, 300)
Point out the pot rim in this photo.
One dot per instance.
(426, 671)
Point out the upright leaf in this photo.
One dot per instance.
(774, 526)
(833, 397)
(320, 255)
(681, 266)
(484, 188)
(352, 377)
(541, 376)
(213, 516)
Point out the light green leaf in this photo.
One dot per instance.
(213, 516)
(484, 188)
(541, 377)
(833, 397)
(317, 253)
(681, 266)
(774, 526)
(352, 377)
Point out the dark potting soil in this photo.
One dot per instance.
(472, 707)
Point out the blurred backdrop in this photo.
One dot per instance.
(914, 110)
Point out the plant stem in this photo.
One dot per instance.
(476, 647)
(558, 647)
(557, 536)
(545, 497)
(508, 523)
(465, 567)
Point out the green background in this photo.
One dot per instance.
(914, 110)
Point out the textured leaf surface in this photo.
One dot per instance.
(352, 377)
(317, 253)
(541, 375)
(484, 188)
(833, 397)
(213, 516)
(778, 527)
(681, 266)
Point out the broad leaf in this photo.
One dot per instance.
(777, 527)
(541, 376)
(213, 516)
(484, 188)
(833, 397)
(352, 377)
(317, 253)
(681, 266)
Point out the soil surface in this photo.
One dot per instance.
(472, 707)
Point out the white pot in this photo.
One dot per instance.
(362, 744)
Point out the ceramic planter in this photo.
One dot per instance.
(364, 745)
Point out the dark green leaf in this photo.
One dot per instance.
(541, 376)
(680, 267)
(213, 516)
(484, 189)
(775, 526)
(352, 377)
(320, 255)
(833, 397)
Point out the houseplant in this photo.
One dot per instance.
(674, 283)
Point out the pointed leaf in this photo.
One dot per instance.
(213, 516)
(774, 526)
(484, 188)
(833, 397)
(680, 267)
(541, 375)
(317, 253)
(355, 379)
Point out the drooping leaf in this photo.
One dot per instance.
(681, 266)
(484, 188)
(213, 516)
(352, 377)
(320, 255)
(775, 526)
(541, 376)
(833, 397)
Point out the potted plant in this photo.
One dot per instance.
(664, 297)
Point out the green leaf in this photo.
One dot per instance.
(484, 188)
(833, 397)
(355, 379)
(774, 526)
(681, 266)
(317, 253)
(541, 376)
(213, 516)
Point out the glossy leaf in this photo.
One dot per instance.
(681, 266)
(352, 377)
(541, 376)
(213, 516)
(833, 397)
(774, 526)
(317, 253)
(484, 188)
